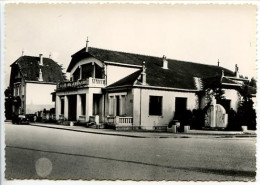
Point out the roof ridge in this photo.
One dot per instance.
(146, 55)
(127, 52)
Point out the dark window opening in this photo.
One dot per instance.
(76, 74)
(83, 104)
(98, 71)
(117, 106)
(89, 70)
(62, 106)
(86, 71)
(155, 105)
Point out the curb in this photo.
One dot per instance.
(102, 133)
(183, 135)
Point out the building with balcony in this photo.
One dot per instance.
(32, 81)
(138, 91)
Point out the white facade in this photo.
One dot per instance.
(141, 106)
(115, 73)
(234, 97)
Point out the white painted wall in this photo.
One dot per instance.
(38, 97)
(230, 94)
(234, 96)
(115, 73)
(141, 106)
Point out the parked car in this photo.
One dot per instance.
(20, 119)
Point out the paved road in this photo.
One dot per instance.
(36, 152)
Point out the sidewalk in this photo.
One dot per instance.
(149, 134)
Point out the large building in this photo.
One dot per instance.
(32, 81)
(132, 90)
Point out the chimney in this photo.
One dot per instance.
(144, 74)
(218, 62)
(50, 55)
(87, 45)
(165, 62)
(236, 71)
(22, 52)
(40, 76)
(41, 60)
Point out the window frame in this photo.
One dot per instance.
(161, 105)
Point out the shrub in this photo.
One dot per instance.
(246, 115)
(198, 119)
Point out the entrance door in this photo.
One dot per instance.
(180, 107)
(97, 104)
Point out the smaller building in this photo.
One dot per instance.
(32, 81)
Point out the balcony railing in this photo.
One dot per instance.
(120, 121)
(89, 82)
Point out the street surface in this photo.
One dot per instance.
(36, 152)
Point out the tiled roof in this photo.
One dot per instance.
(179, 75)
(29, 68)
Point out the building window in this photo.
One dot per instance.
(155, 106)
(117, 103)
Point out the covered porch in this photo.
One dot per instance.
(82, 106)
(119, 110)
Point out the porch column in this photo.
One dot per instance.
(93, 70)
(114, 105)
(102, 118)
(66, 107)
(89, 105)
(57, 107)
(80, 72)
(79, 110)
(122, 104)
(110, 106)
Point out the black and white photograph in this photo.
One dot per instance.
(130, 92)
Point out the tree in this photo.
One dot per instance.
(8, 103)
(252, 82)
(246, 114)
(63, 74)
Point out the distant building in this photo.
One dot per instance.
(121, 89)
(32, 81)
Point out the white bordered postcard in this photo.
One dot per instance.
(136, 91)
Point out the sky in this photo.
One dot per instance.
(197, 33)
